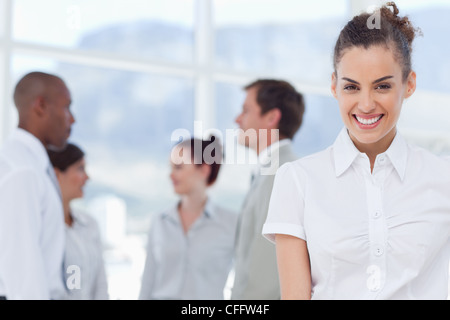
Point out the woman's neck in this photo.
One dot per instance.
(191, 208)
(372, 150)
(68, 219)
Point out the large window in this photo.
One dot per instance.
(286, 38)
(160, 30)
(140, 69)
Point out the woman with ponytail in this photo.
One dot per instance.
(190, 245)
(369, 217)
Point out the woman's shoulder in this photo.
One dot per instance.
(84, 218)
(220, 208)
(167, 212)
(85, 224)
(427, 159)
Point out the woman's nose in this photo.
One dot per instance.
(366, 103)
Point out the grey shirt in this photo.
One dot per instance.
(84, 264)
(256, 274)
(193, 265)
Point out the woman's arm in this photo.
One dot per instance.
(293, 267)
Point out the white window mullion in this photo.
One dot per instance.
(6, 109)
(204, 92)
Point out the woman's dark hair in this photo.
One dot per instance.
(282, 95)
(391, 30)
(66, 157)
(205, 152)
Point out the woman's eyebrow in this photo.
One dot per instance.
(382, 79)
(350, 80)
(376, 81)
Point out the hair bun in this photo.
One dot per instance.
(403, 24)
(394, 8)
(391, 29)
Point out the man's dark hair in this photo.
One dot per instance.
(282, 95)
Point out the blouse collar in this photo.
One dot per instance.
(345, 153)
(208, 211)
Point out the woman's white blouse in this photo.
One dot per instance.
(193, 266)
(380, 235)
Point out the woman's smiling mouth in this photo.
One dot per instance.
(368, 122)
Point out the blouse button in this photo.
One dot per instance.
(378, 251)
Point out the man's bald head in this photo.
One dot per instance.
(43, 102)
(34, 85)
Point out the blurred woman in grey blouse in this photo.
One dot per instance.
(190, 245)
(83, 264)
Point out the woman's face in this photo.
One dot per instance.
(370, 90)
(73, 180)
(187, 177)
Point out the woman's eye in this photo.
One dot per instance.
(383, 87)
(350, 87)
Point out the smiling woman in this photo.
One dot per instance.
(372, 77)
(383, 231)
(370, 107)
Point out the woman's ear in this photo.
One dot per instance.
(334, 84)
(206, 170)
(410, 84)
(58, 174)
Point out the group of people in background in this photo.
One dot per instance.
(367, 218)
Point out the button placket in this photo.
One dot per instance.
(377, 233)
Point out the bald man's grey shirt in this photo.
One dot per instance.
(256, 273)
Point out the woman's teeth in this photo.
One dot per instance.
(368, 121)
